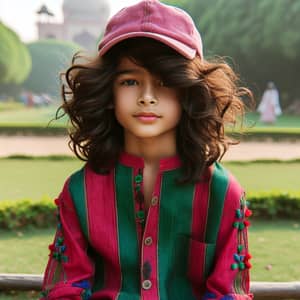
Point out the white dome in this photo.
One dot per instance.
(86, 8)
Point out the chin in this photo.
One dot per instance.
(144, 134)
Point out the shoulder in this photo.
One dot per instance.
(84, 177)
(224, 181)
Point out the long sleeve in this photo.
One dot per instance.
(229, 279)
(69, 270)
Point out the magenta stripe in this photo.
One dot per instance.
(197, 245)
(102, 207)
(150, 252)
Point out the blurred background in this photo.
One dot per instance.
(258, 38)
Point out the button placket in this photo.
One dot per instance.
(149, 245)
(148, 241)
(154, 201)
(146, 284)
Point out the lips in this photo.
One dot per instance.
(147, 116)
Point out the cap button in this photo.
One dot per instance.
(154, 200)
(146, 284)
(148, 241)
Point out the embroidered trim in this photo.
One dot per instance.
(44, 294)
(57, 253)
(139, 197)
(209, 296)
(242, 256)
(86, 286)
(227, 297)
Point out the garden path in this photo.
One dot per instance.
(33, 145)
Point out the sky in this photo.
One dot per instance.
(20, 15)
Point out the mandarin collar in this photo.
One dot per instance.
(165, 164)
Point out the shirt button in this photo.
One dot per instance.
(148, 241)
(154, 201)
(146, 284)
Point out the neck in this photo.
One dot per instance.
(151, 149)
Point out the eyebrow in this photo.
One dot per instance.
(128, 71)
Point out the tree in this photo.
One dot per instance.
(49, 59)
(15, 61)
(260, 36)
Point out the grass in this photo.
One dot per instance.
(265, 176)
(35, 178)
(283, 121)
(29, 116)
(28, 253)
(24, 251)
(24, 178)
(273, 244)
(14, 113)
(19, 296)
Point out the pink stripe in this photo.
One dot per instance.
(103, 227)
(227, 243)
(199, 220)
(138, 206)
(150, 252)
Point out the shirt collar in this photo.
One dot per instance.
(165, 164)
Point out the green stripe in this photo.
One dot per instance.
(127, 234)
(175, 223)
(77, 191)
(99, 271)
(218, 189)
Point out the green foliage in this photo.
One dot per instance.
(260, 36)
(49, 59)
(25, 213)
(15, 61)
(33, 129)
(275, 205)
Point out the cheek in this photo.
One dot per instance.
(122, 111)
(174, 110)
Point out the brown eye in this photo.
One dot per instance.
(129, 82)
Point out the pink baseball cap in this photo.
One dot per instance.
(153, 19)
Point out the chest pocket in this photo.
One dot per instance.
(202, 254)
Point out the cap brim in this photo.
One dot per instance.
(181, 48)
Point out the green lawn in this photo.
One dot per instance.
(32, 116)
(16, 113)
(282, 121)
(275, 249)
(266, 176)
(26, 178)
(35, 178)
(274, 246)
(19, 296)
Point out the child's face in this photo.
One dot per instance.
(143, 105)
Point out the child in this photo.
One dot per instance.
(269, 107)
(151, 215)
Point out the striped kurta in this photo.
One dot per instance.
(190, 244)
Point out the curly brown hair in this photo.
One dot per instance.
(210, 98)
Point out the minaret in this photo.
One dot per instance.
(45, 14)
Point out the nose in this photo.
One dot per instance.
(147, 101)
(147, 96)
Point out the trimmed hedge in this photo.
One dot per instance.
(16, 214)
(275, 204)
(25, 213)
(33, 129)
